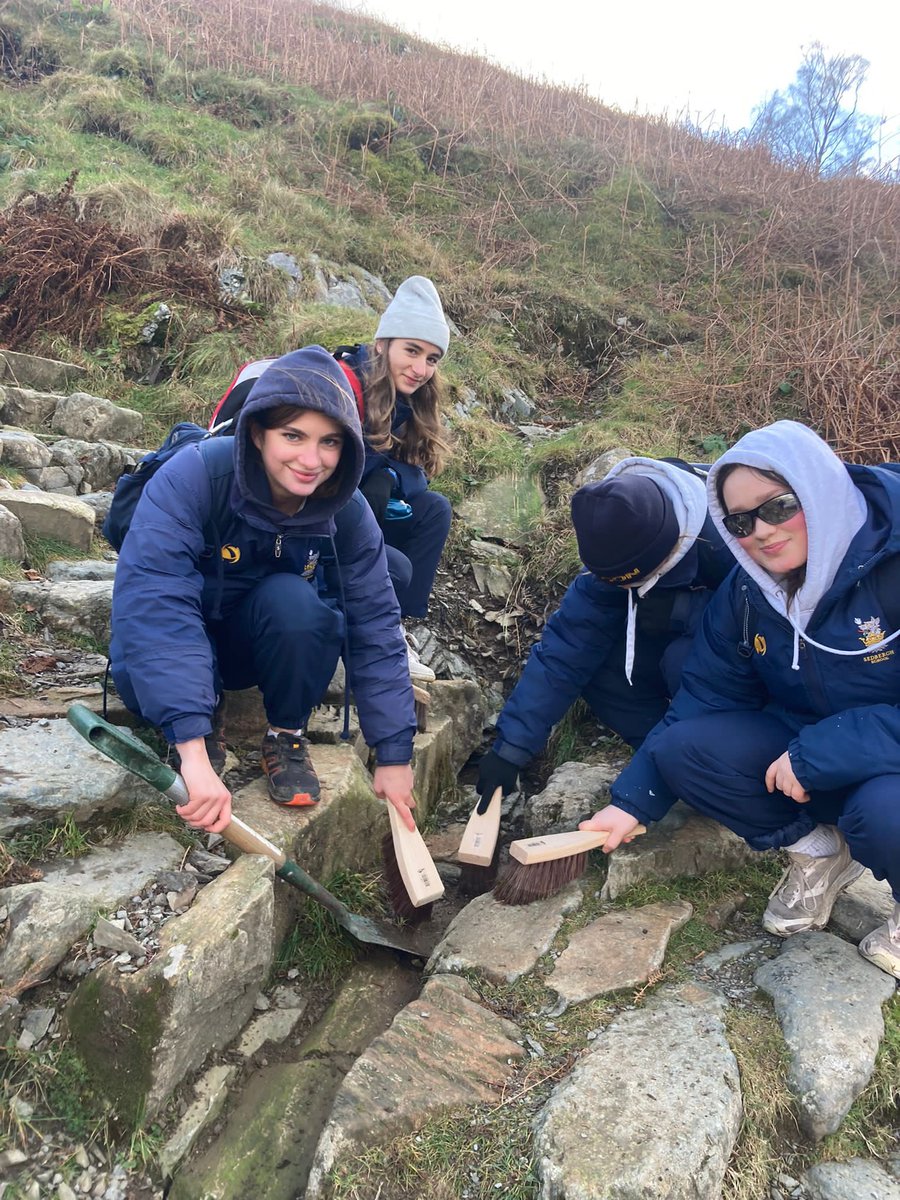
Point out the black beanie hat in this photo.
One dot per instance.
(626, 527)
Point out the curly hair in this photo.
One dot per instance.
(422, 440)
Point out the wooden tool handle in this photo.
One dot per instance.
(481, 832)
(417, 869)
(561, 845)
(251, 842)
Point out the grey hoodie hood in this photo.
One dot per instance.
(688, 497)
(834, 508)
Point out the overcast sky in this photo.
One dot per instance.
(713, 60)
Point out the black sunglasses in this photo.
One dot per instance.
(774, 512)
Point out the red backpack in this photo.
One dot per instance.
(226, 411)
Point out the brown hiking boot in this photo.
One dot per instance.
(285, 759)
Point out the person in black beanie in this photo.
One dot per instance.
(619, 638)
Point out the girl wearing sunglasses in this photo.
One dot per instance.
(787, 725)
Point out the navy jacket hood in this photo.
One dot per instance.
(309, 379)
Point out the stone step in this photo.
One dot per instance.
(267, 1146)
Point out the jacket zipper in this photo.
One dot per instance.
(278, 541)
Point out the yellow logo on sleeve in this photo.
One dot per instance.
(231, 554)
(759, 644)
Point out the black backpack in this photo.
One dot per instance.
(130, 486)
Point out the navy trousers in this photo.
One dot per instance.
(414, 548)
(631, 710)
(283, 639)
(717, 764)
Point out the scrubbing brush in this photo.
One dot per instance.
(410, 876)
(542, 866)
(478, 848)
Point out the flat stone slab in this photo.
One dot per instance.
(828, 1000)
(682, 843)
(30, 370)
(47, 918)
(268, 1152)
(274, 1026)
(618, 950)
(505, 508)
(443, 1052)
(48, 771)
(112, 874)
(862, 907)
(502, 941)
(653, 1111)
(858, 1179)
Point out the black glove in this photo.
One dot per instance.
(377, 487)
(494, 772)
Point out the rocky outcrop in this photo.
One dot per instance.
(81, 607)
(32, 371)
(94, 419)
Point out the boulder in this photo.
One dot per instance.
(94, 419)
(652, 1111)
(862, 907)
(600, 467)
(81, 607)
(858, 1179)
(24, 452)
(62, 518)
(574, 791)
(140, 1034)
(101, 463)
(31, 371)
(27, 407)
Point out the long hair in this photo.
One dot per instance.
(422, 441)
(280, 415)
(793, 580)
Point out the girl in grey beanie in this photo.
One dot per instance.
(406, 443)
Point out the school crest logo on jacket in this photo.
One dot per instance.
(870, 632)
(312, 561)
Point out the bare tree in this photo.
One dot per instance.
(816, 122)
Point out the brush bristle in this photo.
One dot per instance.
(398, 896)
(522, 884)
(475, 880)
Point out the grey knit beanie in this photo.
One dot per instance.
(416, 312)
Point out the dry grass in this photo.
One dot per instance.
(797, 276)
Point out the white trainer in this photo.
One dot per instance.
(805, 894)
(418, 671)
(882, 945)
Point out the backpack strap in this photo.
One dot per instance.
(217, 454)
(353, 379)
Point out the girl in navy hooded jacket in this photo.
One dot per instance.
(405, 442)
(206, 600)
(786, 727)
